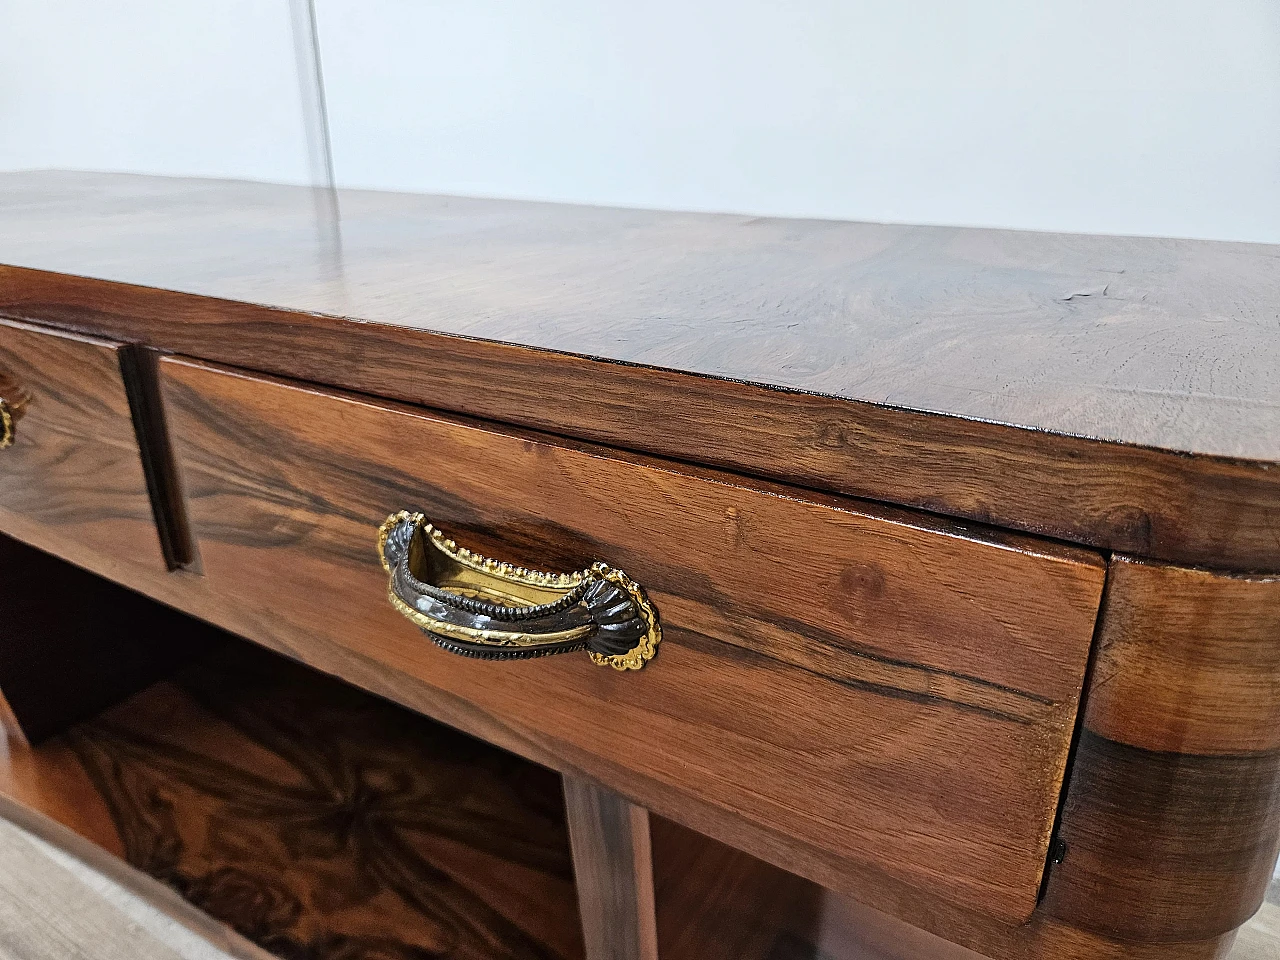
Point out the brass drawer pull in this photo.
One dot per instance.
(13, 402)
(483, 608)
(7, 422)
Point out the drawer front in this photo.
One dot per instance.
(72, 481)
(859, 695)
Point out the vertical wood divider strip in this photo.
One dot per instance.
(139, 366)
(613, 869)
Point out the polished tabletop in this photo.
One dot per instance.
(1167, 343)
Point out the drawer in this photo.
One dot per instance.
(861, 695)
(72, 482)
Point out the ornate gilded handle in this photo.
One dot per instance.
(13, 402)
(483, 608)
(7, 423)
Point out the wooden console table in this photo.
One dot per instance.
(937, 567)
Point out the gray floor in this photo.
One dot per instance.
(54, 906)
(1259, 939)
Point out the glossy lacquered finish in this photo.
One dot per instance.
(863, 693)
(974, 373)
(73, 480)
(917, 317)
(1171, 818)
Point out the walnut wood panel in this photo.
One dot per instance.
(317, 821)
(1153, 343)
(1174, 802)
(1202, 509)
(1159, 342)
(613, 872)
(717, 903)
(73, 482)
(1188, 661)
(883, 694)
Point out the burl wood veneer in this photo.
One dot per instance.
(325, 824)
(316, 820)
(964, 543)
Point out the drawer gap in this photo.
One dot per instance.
(140, 370)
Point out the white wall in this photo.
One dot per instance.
(1146, 116)
(151, 86)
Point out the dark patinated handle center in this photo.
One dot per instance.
(483, 608)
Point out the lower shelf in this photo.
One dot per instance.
(324, 823)
(318, 821)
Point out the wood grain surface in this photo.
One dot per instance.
(54, 910)
(718, 903)
(803, 685)
(1168, 343)
(848, 340)
(1174, 799)
(73, 481)
(319, 822)
(946, 376)
(1138, 823)
(613, 872)
(1188, 661)
(715, 903)
(1167, 850)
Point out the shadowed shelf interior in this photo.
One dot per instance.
(315, 819)
(323, 823)
(318, 821)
